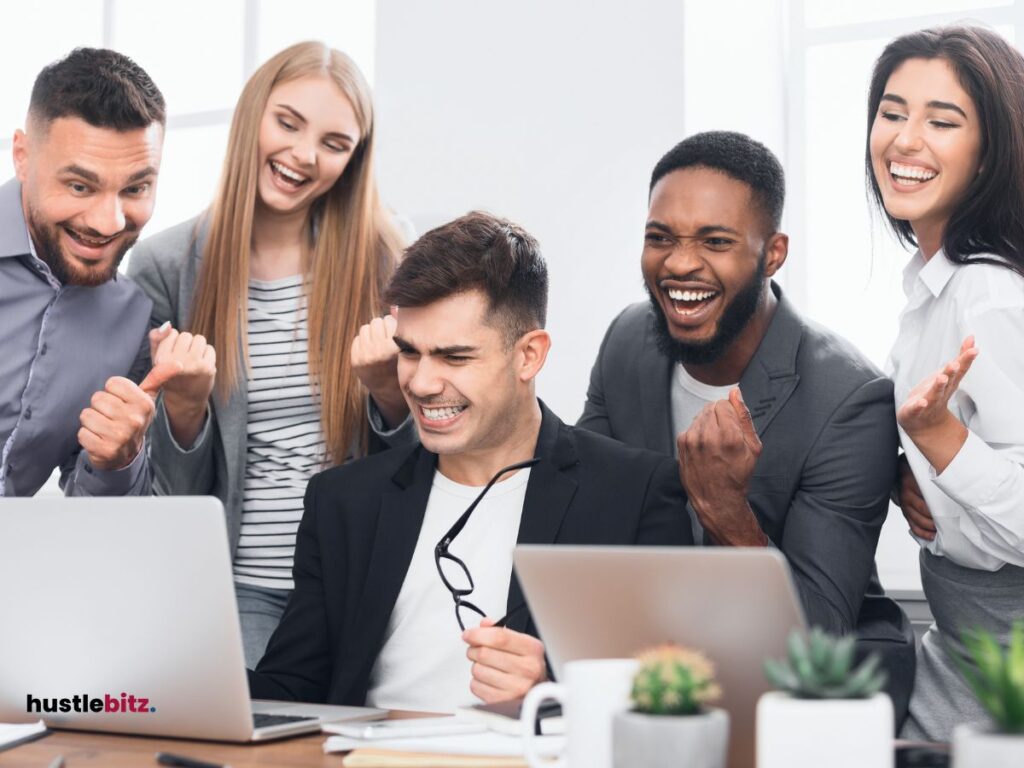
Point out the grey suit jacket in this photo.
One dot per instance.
(166, 266)
(821, 487)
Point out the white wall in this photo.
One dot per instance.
(551, 114)
(734, 62)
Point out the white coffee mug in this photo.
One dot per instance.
(593, 692)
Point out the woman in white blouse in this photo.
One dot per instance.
(945, 161)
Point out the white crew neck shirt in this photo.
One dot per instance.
(423, 665)
(689, 397)
(978, 500)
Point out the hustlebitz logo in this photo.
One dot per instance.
(126, 702)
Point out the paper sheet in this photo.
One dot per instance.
(477, 744)
(11, 734)
(382, 758)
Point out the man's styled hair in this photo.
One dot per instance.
(102, 87)
(477, 252)
(737, 156)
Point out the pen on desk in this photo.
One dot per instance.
(166, 758)
(58, 762)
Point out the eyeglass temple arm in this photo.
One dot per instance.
(459, 524)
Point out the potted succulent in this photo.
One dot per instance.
(826, 712)
(670, 725)
(997, 679)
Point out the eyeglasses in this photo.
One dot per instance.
(453, 570)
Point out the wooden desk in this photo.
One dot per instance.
(107, 750)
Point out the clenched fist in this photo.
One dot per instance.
(115, 423)
(186, 395)
(375, 362)
(717, 455)
(506, 663)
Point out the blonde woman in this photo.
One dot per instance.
(283, 276)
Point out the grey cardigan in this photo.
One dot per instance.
(166, 266)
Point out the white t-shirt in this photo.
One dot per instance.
(978, 500)
(689, 397)
(423, 664)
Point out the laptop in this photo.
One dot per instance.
(119, 615)
(736, 605)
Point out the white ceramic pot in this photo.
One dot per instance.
(664, 741)
(979, 746)
(811, 733)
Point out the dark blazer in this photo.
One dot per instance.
(820, 491)
(362, 521)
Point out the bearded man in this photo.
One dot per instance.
(785, 434)
(74, 352)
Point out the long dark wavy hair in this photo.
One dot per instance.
(990, 217)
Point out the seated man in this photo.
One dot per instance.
(395, 562)
(809, 467)
(74, 346)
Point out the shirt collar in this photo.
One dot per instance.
(933, 274)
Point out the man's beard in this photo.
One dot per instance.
(46, 239)
(734, 319)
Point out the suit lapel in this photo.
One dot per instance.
(654, 374)
(398, 528)
(549, 492)
(402, 509)
(771, 376)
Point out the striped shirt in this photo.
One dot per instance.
(285, 442)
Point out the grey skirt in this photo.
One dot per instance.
(960, 598)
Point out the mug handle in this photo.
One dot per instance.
(528, 719)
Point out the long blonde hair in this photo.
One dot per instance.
(347, 264)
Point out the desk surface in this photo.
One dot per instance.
(117, 751)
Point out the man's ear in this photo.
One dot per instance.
(20, 152)
(530, 353)
(775, 252)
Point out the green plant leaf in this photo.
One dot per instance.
(819, 649)
(867, 677)
(842, 658)
(797, 647)
(1015, 654)
(987, 654)
(781, 675)
(995, 675)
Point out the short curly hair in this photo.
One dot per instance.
(737, 156)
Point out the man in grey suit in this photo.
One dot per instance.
(805, 458)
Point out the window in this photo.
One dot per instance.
(198, 52)
(199, 67)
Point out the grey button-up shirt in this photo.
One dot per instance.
(58, 345)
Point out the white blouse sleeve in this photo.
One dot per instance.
(986, 477)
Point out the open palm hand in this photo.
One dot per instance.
(927, 405)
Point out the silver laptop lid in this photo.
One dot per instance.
(121, 604)
(736, 605)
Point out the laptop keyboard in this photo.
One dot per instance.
(265, 721)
